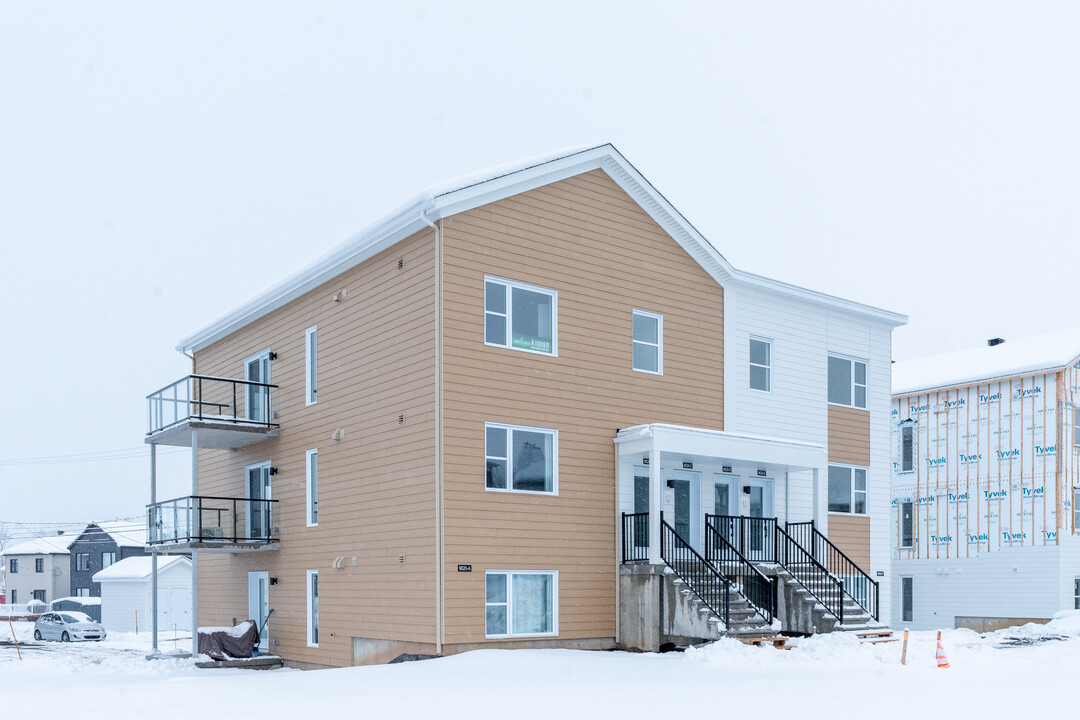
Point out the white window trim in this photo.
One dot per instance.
(900, 524)
(510, 284)
(910, 578)
(659, 345)
(753, 364)
(311, 370)
(310, 574)
(914, 448)
(510, 603)
(247, 504)
(865, 387)
(851, 499)
(311, 492)
(510, 460)
(247, 376)
(1076, 425)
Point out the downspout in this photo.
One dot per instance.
(439, 540)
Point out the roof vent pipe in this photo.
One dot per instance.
(995, 341)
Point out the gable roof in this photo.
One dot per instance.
(1038, 353)
(125, 533)
(472, 191)
(53, 545)
(138, 568)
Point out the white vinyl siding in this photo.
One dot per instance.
(648, 342)
(311, 394)
(521, 603)
(521, 459)
(521, 317)
(312, 472)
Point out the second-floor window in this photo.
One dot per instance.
(521, 317)
(311, 375)
(847, 489)
(847, 382)
(1076, 426)
(312, 487)
(760, 364)
(648, 342)
(82, 592)
(521, 459)
(907, 525)
(13, 566)
(82, 561)
(107, 559)
(907, 447)
(39, 565)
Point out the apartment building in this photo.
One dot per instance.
(508, 413)
(984, 484)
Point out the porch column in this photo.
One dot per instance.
(656, 503)
(153, 555)
(192, 505)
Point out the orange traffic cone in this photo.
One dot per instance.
(942, 661)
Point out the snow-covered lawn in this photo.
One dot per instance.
(1019, 672)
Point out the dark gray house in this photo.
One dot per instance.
(99, 546)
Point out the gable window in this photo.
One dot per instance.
(82, 592)
(760, 364)
(39, 595)
(521, 459)
(847, 489)
(521, 317)
(907, 525)
(107, 559)
(521, 603)
(907, 447)
(82, 561)
(310, 374)
(313, 608)
(648, 342)
(847, 382)
(312, 487)
(13, 565)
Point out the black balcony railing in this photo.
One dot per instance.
(199, 518)
(204, 397)
(635, 537)
(858, 585)
(751, 536)
(757, 588)
(812, 575)
(700, 576)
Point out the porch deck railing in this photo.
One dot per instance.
(700, 576)
(753, 537)
(205, 397)
(635, 537)
(201, 518)
(757, 588)
(812, 575)
(857, 584)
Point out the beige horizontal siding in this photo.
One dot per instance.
(849, 435)
(585, 238)
(851, 533)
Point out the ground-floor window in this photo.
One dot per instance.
(313, 607)
(82, 592)
(1076, 593)
(39, 595)
(522, 602)
(907, 599)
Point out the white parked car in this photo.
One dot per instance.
(68, 626)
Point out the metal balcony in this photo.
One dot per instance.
(203, 523)
(227, 413)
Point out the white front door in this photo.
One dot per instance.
(257, 399)
(259, 605)
(258, 513)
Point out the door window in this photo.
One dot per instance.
(641, 505)
(257, 370)
(258, 487)
(685, 485)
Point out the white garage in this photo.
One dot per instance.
(126, 597)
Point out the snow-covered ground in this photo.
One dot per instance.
(1018, 672)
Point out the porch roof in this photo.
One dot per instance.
(767, 452)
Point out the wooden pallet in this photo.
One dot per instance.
(779, 642)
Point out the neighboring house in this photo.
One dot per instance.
(449, 432)
(986, 476)
(100, 545)
(89, 605)
(126, 599)
(37, 569)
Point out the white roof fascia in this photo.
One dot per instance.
(893, 319)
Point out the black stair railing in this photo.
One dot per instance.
(811, 574)
(857, 584)
(635, 537)
(758, 589)
(751, 536)
(699, 575)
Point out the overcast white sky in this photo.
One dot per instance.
(162, 162)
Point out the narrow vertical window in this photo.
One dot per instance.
(907, 448)
(313, 608)
(648, 342)
(312, 487)
(907, 525)
(1076, 593)
(311, 376)
(858, 498)
(39, 564)
(760, 364)
(1076, 426)
(907, 599)
(13, 566)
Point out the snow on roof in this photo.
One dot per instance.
(125, 533)
(79, 600)
(137, 568)
(53, 545)
(981, 364)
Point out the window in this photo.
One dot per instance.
(107, 559)
(311, 376)
(313, 608)
(847, 489)
(39, 565)
(521, 459)
(14, 597)
(1076, 509)
(648, 344)
(907, 525)
(13, 565)
(1076, 594)
(39, 595)
(520, 316)
(907, 447)
(847, 382)
(760, 364)
(82, 592)
(1076, 425)
(82, 561)
(312, 487)
(521, 603)
(907, 599)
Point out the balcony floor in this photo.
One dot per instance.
(214, 546)
(214, 434)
